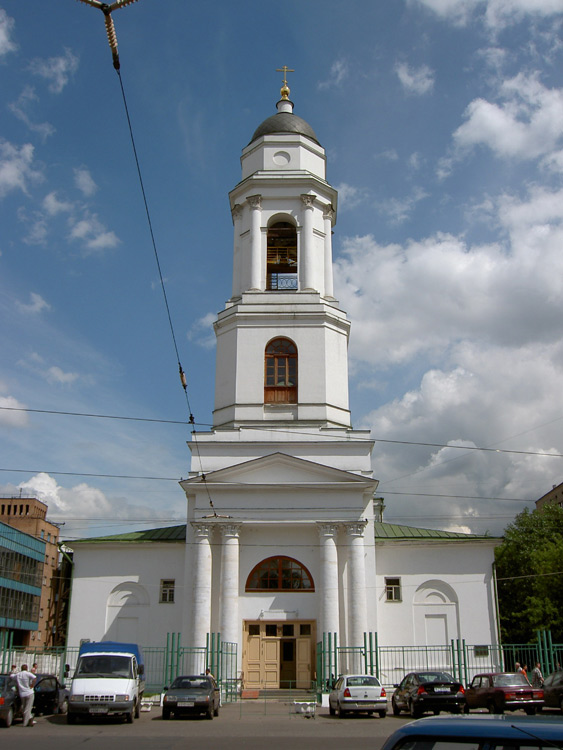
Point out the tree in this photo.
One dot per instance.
(530, 576)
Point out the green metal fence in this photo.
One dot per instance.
(462, 660)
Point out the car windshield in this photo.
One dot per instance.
(435, 677)
(510, 680)
(362, 681)
(104, 665)
(191, 683)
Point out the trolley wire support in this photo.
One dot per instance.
(107, 9)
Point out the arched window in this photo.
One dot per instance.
(281, 259)
(280, 574)
(280, 372)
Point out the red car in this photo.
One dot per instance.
(503, 691)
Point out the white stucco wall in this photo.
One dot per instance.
(101, 568)
(446, 588)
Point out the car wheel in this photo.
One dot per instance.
(382, 714)
(331, 710)
(209, 714)
(216, 712)
(436, 712)
(561, 705)
(414, 711)
(395, 707)
(530, 710)
(137, 709)
(466, 709)
(165, 714)
(341, 712)
(9, 718)
(71, 718)
(129, 717)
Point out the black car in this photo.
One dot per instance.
(192, 694)
(9, 700)
(431, 690)
(553, 690)
(51, 697)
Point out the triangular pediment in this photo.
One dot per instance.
(281, 468)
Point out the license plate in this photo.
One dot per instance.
(185, 704)
(368, 705)
(98, 710)
(441, 690)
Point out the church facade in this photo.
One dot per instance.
(284, 545)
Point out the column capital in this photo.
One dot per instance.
(329, 213)
(308, 199)
(355, 528)
(326, 528)
(255, 202)
(230, 529)
(202, 528)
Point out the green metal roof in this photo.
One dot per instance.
(383, 531)
(166, 534)
(394, 531)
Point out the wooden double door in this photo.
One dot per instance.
(278, 654)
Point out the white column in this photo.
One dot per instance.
(328, 604)
(201, 613)
(328, 217)
(255, 202)
(237, 260)
(306, 259)
(230, 625)
(357, 602)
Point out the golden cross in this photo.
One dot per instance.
(285, 88)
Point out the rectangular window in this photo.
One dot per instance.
(393, 589)
(254, 629)
(167, 590)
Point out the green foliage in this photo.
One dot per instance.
(530, 576)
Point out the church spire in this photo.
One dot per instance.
(285, 104)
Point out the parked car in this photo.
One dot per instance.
(192, 694)
(503, 691)
(431, 690)
(51, 697)
(353, 693)
(553, 690)
(478, 731)
(9, 700)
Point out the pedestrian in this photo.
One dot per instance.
(13, 670)
(518, 667)
(537, 676)
(25, 681)
(209, 674)
(34, 668)
(524, 671)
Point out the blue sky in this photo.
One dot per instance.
(443, 126)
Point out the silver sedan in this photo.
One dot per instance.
(357, 692)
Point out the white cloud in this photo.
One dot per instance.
(202, 333)
(415, 80)
(92, 233)
(339, 71)
(16, 168)
(56, 70)
(527, 124)
(84, 182)
(495, 14)
(53, 206)
(9, 418)
(350, 196)
(398, 210)
(53, 374)
(6, 28)
(20, 109)
(37, 304)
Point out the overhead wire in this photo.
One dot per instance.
(112, 39)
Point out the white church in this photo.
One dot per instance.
(284, 545)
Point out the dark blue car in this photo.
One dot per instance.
(478, 732)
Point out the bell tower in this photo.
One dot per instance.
(282, 339)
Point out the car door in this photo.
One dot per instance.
(404, 691)
(472, 692)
